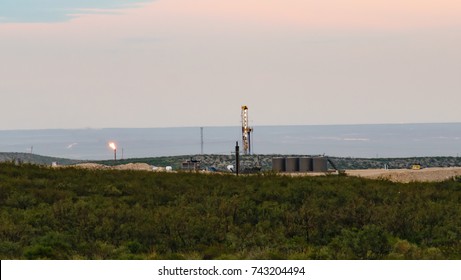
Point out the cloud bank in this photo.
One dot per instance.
(57, 10)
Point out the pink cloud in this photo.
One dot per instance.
(326, 14)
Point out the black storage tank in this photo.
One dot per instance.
(278, 164)
(292, 164)
(320, 164)
(305, 164)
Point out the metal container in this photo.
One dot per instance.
(305, 164)
(319, 164)
(292, 164)
(278, 164)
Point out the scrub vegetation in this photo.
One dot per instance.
(69, 213)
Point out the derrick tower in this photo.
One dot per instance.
(246, 131)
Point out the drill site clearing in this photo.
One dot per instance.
(432, 174)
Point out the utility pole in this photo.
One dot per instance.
(237, 159)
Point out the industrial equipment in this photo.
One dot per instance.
(246, 132)
(416, 166)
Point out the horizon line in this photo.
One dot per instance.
(217, 126)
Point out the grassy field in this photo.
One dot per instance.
(73, 213)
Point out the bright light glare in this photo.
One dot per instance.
(112, 145)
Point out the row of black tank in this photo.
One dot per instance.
(300, 164)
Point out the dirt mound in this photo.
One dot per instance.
(129, 166)
(134, 166)
(407, 175)
(91, 166)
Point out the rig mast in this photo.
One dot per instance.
(246, 132)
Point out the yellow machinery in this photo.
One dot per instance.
(416, 166)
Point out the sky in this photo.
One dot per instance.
(179, 63)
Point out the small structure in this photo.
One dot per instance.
(191, 165)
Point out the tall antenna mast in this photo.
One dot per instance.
(201, 137)
(246, 131)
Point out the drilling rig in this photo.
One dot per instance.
(246, 132)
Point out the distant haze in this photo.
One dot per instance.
(191, 63)
(409, 140)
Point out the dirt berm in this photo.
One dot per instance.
(408, 175)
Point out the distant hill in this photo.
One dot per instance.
(35, 159)
(396, 163)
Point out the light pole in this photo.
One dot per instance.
(114, 147)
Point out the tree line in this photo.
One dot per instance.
(70, 213)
